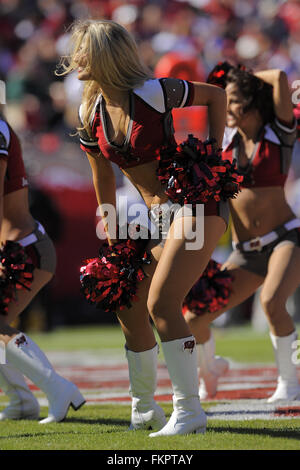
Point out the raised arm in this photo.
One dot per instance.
(281, 93)
(105, 188)
(215, 99)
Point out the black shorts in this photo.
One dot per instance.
(257, 261)
(41, 251)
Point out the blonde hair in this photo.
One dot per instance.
(112, 57)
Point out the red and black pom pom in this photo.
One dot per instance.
(110, 281)
(16, 273)
(211, 292)
(6, 295)
(218, 74)
(194, 173)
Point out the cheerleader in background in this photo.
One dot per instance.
(23, 356)
(261, 131)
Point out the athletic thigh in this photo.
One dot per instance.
(283, 276)
(178, 267)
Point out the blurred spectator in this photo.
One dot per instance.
(34, 33)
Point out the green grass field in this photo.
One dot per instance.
(241, 344)
(104, 427)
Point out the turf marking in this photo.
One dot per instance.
(242, 391)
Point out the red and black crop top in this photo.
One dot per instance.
(10, 150)
(271, 158)
(150, 126)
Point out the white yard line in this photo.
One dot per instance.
(103, 378)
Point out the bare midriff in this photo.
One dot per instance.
(145, 180)
(257, 211)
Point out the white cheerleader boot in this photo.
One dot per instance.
(25, 355)
(145, 412)
(211, 368)
(288, 388)
(22, 402)
(188, 416)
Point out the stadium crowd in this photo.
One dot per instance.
(34, 33)
(44, 107)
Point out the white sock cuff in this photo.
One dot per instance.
(147, 351)
(289, 338)
(184, 344)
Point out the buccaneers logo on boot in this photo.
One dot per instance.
(20, 340)
(189, 345)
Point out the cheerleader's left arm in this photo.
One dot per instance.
(215, 99)
(283, 106)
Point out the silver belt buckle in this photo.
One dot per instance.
(255, 244)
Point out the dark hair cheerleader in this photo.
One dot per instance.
(256, 93)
